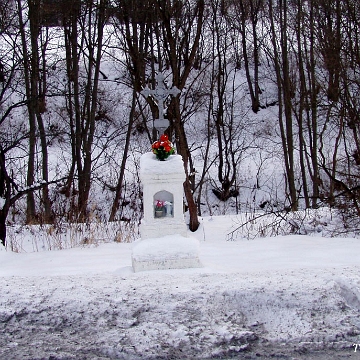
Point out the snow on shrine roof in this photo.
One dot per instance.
(150, 165)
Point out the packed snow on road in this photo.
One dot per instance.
(288, 297)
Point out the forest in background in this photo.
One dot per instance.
(269, 104)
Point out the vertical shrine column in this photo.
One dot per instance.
(162, 182)
(164, 242)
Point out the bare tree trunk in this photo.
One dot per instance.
(222, 71)
(249, 10)
(206, 155)
(115, 205)
(303, 91)
(47, 211)
(72, 97)
(181, 57)
(5, 193)
(82, 106)
(281, 63)
(328, 22)
(313, 125)
(183, 150)
(30, 76)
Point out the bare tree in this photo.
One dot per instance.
(343, 89)
(306, 103)
(15, 132)
(223, 75)
(84, 32)
(244, 15)
(280, 52)
(328, 23)
(137, 33)
(182, 24)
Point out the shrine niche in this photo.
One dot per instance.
(163, 204)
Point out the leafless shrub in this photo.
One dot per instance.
(322, 222)
(59, 236)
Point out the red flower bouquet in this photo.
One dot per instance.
(163, 148)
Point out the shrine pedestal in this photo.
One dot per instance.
(164, 240)
(168, 252)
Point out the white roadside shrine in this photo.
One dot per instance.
(164, 243)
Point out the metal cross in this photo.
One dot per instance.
(160, 94)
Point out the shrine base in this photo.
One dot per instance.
(168, 252)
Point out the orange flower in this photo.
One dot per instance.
(156, 145)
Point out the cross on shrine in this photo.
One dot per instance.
(160, 94)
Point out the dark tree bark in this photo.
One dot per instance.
(119, 185)
(222, 113)
(134, 30)
(5, 192)
(303, 103)
(247, 14)
(281, 63)
(328, 21)
(30, 77)
(181, 36)
(73, 94)
(83, 102)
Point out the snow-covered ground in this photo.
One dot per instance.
(288, 297)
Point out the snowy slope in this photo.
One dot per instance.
(288, 296)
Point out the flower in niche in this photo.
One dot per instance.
(163, 148)
(159, 205)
